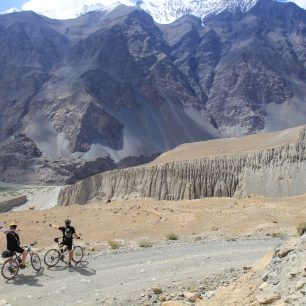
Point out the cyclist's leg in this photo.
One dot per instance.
(69, 246)
(24, 255)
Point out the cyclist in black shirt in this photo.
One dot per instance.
(13, 243)
(68, 234)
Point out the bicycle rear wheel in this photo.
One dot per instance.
(35, 262)
(52, 257)
(77, 254)
(10, 269)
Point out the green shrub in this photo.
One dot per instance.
(278, 235)
(301, 228)
(114, 244)
(172, 236)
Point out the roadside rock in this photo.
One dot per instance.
(157, 291)
(267, 298)
(280, 281)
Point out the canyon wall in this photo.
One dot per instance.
(277, 171)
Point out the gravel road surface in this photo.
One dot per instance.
(119, 277)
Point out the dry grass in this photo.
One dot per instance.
(114, 244)
(172, 236)
(301, 228)
(145, 243)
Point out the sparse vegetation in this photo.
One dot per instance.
(114, 244)
(278, 235)
(301, 228)
(145, 243)
(230, 239)
(172, 236)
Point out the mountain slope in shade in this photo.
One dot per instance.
(117, 83)
(251, 66)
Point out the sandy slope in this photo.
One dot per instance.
(136, 218)
(229, 146)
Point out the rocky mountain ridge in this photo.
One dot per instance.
(162, 11)
(117, 84)
(168, 11)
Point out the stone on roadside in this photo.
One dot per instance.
(192, 296)
(300, 284)
(163, 298)
(267, 298)
(157, 290)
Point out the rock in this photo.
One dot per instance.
(263, 286)
(265, 276)
(286, 248)
(246, 269)
(192, 296)
(267, 298)
(157, 290)
(300, 284)
(162, 298)
(293, 298)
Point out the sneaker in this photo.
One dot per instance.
(69, 264)
(22, 266)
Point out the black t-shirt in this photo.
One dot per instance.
(68, 232)
(12, 240)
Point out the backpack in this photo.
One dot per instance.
(7, 254)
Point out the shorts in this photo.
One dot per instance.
(68, 243)
(17, 249)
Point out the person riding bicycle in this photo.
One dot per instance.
(13, 243)
(68, 234)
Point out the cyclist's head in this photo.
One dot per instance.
(13, 226)
(67, 222)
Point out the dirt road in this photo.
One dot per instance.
(119, 277)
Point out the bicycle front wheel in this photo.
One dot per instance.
(52, 257)
(35, 262)
(10, 269)
(77, 254)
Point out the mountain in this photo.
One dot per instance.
(163, 11)
(116, 83)
(167, 11)
(251, 66)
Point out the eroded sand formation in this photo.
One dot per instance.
(272, 165)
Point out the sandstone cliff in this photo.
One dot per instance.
(271, 165)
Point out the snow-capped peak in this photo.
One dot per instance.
(163, 11)
(167, 11)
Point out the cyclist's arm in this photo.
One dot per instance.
(3, 230)
(76, 236)
(54, 226)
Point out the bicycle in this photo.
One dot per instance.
(53, 256)
(11, 266)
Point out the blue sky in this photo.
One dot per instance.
(6, 4)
